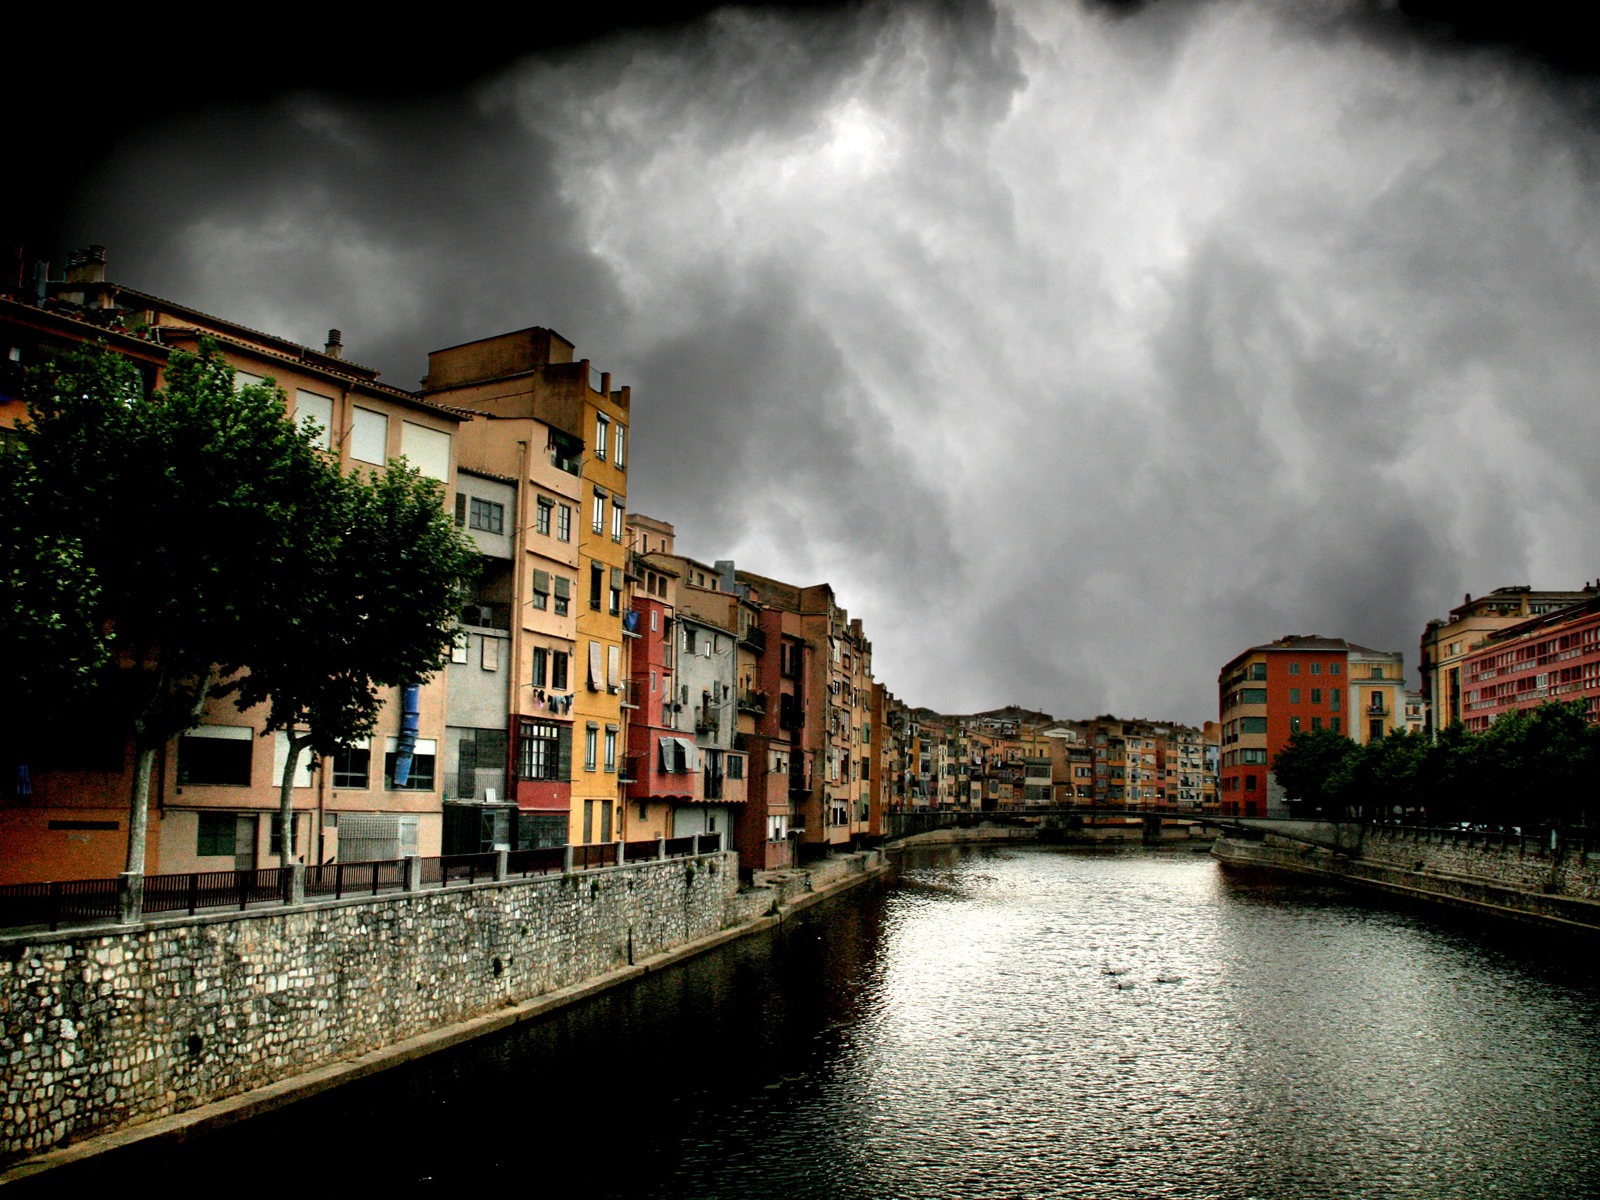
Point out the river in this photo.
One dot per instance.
(1009, 1023)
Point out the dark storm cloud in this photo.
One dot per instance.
(1080, 348)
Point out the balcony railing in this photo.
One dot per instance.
(628, 693)
(753, 702)
(755, 638)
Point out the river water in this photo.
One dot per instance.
(1011, 1023)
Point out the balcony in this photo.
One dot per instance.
(628, 693)
(631, 768)
(754, 638)
(753, 702)
(707, 717)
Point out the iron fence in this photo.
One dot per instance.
(86, 901)
(212, 889)
(356, 878)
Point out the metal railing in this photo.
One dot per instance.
(76, 902)
(356, 878)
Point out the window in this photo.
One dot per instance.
(615, 607)
(563, 595)
(1335, 724)
(428, 450)
(611, 749)
(460, 648)
(597, 585)
(487, 516)
(591, 746)
(1377, 672)
(602, 426)
(538, 750)
(216, 835)
(541, 522)
(598, 522)
(619, 457)
(558, 670)
(1375, 729)
(1257, 670)
(1294, 724)
(564, 522)
(616, 521)
(1294, 668)
(1316, 668)
(1333, 699)
(1334, 668)
(350, 765)
(314, 413)
(422, 762)
(541, 666)
(1316, 695)
(1294, 695)
(489, 653)
(215, 755)
(1316, 723)
(369, 436)
(541, 589)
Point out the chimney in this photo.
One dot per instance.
(335, 345)
(87, 266)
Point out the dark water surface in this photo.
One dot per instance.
(1008, 1023)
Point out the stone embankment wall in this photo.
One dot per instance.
(1527, 864)
(104, 1028)
(1557, 891)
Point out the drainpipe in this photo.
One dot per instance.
(406, 743)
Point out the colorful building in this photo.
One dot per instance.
(1273, 691)
(1447, 643)
(1554, 656)
(214, 795)
(567, 412)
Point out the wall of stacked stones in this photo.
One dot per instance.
(104, 1029)
(1524, 863)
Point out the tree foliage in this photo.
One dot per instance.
(374, 605)
(156, 544)
(1527, 769)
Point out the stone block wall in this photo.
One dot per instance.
(105, 1028)
(1524, 864)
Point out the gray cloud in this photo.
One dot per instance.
(1078, 348)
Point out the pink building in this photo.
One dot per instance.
(1555, 656)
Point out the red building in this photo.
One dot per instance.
(1270, 692)
(1555, 656)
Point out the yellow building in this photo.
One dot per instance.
(531, 373)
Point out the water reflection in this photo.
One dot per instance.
(1009, 1023)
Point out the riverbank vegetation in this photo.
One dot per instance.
(1528, 770)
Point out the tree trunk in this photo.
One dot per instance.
(286, 798)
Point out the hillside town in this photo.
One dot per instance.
(605, 687)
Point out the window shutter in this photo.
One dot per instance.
(564, 754)
(616, 578)
(668, 757)
(541, 581)
(594, 666)
(613, 666)
(461, 508)
(563, 587)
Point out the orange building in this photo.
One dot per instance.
(1270, 692)
(215, 790)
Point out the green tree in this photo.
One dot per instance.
(374, 605)
(178, 506)
(1307, 761)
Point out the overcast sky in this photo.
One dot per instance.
(1080, 348)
